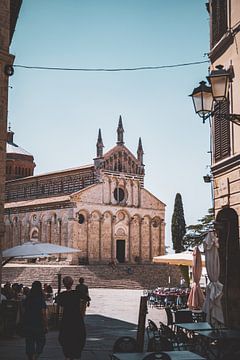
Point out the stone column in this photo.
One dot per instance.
(150, 240)
(59, 222)
(40, 231)
(59, 232)
(140, 238)
(113, 245)
(162, 237)
(110, 191)
(100, 237)
(129, 239)
(87, 250)
(20, 232)
(49, 231)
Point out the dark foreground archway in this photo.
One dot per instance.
(229, 254)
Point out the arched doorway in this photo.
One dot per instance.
(229, 253)
(120, 251)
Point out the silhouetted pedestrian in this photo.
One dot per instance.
(35, 321)
(72, 334)
(82, 290)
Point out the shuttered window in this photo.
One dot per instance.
(221, 131)
(219, 20)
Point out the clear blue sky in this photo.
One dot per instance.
(56, 115)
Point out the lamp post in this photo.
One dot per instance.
(205, 97)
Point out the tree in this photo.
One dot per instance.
(178, 225)
(178, 232)
(196, 233)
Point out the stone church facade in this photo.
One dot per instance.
(103, 208)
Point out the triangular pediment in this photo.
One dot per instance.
(121, 159)
(117, 150)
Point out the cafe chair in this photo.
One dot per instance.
(179, 340)
(152, 329)
(156, 356)
(125, 344)
(169, 314)
(170, 335)
(159, 343)
(9, 312)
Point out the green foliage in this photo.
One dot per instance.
(196, 233)
(178, 225)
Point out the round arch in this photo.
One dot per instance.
(227, 227)
(34, 234)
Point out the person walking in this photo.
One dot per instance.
(72, 334)
(85, 299)
(35, 321)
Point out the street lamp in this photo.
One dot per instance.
(207, 178)
(205, 97)
(202, 100)
(219, 80)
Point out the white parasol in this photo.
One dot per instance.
(183, 258)
(35, 249)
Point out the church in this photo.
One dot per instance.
(102, 208)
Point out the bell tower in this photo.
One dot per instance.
(99, 160)
(140, 151)
(99, 144)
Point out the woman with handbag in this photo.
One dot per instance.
(35, 321)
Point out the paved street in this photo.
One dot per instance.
(112, 313)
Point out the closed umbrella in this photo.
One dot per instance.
(196, 297)
(214, 290)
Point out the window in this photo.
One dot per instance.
(221, 131)
(219, 20)
(119, 194)
(81, 218)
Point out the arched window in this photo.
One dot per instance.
(119, 194)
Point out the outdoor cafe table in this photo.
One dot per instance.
(174, 355)
(195, 326)
(226, 341)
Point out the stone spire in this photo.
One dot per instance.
(99, 144)
(140, 151)
(120, 132)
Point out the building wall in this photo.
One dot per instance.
(48, 185)
(5, 59)
(226, 170)
(138, 220)
(103, 222)
(44, 226)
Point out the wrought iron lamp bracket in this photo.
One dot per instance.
(234, 118)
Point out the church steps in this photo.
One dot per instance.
(142, 276)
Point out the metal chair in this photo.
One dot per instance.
(159, 343)
(156, 356)
(179, 340)
(125, 344)
(152, 329)
(169, 314)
